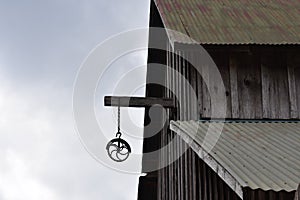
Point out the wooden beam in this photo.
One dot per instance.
(138, 101)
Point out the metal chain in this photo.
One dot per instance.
(119, 134)
(119, 119)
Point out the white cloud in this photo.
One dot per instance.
(18, 184)
(40, 154)
(24, 129)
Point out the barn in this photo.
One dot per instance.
(254, 46)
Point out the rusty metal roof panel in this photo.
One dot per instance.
(232, 21)
(258, 155)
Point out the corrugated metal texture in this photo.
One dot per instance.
(258, 194)
(232, 21)
(257, 155)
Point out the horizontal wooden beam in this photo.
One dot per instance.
(138, 101)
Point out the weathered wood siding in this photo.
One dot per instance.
(260, 82)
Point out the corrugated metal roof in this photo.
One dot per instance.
(259, 155)
(232, 21)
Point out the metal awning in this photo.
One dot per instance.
(255, 154)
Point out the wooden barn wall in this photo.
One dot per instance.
(260, 83)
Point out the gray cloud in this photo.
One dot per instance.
(42, 46)
(40, 151)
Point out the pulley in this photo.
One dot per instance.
(118, 149)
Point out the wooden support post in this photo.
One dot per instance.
(138, 101)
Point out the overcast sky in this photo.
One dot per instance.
(42, 45)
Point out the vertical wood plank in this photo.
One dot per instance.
(275, 86)
(168, 167)
(177, 68)
(171, 181)
(221, 189)
(171, 175)
(221, 59)
(249, 85)
(193, 115)
(211, 88)
(183, 87)
(297, 83)
(292, 87)
(199, 170)
(184, 117)
(175, 146)
(186, 174)
(266, 87)
(205, 185)
(188, 86)
(206, 102)
(181, 163)
(210, 183)
(293, 64)
(215, 187)
(199, 82)
(171, 172)
(234, 86)
(177, 65)
(283, 89)
(190, 175)
(189, 117)
(180, 91)
(195, 104)
(182, 186)
(194, 175)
